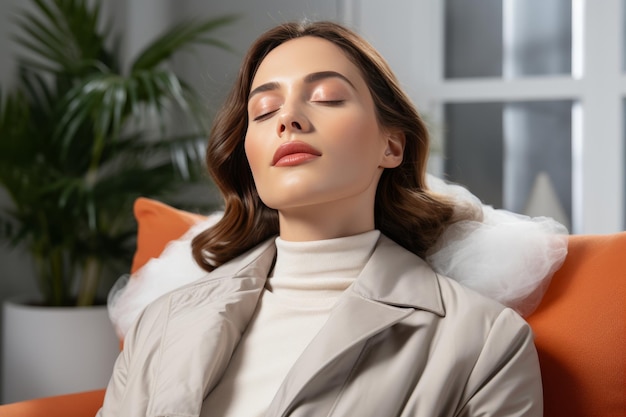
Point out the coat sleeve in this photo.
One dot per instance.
(127, 393)
(115, 388)
(506, 379)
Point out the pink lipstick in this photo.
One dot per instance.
(294, 153)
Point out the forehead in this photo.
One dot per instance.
(301, 56)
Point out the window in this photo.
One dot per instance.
(526, 98)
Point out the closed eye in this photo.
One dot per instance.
(264, 116)
(330, 102)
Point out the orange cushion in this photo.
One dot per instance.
(580, 330)
(158, 224)
(83, 404)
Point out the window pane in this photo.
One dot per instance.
(507, 38)
(473, 38)
(474, 149)
(516, 156)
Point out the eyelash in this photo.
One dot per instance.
(331, 102)
(264, 116)
(323, 102)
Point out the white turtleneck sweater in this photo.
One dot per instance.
(302, 289)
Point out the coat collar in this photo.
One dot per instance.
(395, 276)
(392, 276)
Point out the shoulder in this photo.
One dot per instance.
(397, 276)
(460, 300)
(238, 274)
(483, 317)
(411, 281)
(488, 335)
(230, 283)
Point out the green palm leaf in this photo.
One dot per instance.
(64, 35)
(180, 36)
(78, 142)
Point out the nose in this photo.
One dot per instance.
(291, 120)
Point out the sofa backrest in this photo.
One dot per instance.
(580, 330)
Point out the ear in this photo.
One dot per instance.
(394, 150)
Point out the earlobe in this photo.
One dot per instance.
(394, 151)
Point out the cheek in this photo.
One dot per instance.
(360, 136)
(254, 151)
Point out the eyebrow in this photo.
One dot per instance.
(309, 79)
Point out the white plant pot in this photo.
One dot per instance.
(55, 350)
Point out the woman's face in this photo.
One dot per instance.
(313, 141)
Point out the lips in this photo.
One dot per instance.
(294, 153)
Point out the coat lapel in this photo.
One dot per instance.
(391, 286)
(205, 321)
(395, 276)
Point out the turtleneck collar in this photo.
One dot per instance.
(341, 257)
(320, 268)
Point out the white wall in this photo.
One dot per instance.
(213, 71)
(16, 273)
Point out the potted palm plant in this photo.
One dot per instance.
(81, 138)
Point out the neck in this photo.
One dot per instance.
(315, 223)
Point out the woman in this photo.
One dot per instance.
(318, 301)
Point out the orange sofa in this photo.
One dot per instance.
(580, 326)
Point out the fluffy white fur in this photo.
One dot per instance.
(505, 256)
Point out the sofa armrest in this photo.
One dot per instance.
(82, 404)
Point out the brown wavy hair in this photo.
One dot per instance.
(405, 210)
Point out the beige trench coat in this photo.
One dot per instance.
(401, 341)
